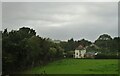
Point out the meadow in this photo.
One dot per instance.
(78, 66)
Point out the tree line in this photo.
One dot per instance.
(22, 49)
(104, 44)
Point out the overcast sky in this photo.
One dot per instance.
(63, 20)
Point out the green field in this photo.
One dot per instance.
(78, 66)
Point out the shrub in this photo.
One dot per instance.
(106, 56)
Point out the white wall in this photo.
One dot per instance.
(78, 52)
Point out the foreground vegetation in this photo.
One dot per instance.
(22, 48)
(78, 66)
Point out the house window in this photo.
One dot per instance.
(80, 55)
(76, 53)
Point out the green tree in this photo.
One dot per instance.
(52, 53)
(104, 42)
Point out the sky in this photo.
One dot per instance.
(60, 0)
(63, 20)
(0, 16)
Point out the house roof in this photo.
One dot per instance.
(80, 47)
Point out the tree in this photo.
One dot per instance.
(105, 37)
(14, 48)
(26, 32)
(107, 44)
(52, 53)
(70, 54)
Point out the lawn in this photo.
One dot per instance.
(78, 66)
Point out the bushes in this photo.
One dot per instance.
(106, 56)
(70, 54)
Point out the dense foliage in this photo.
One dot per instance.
(107, 44)
(22, 49)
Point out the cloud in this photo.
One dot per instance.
(60, 0)
(63, 20)
(0, 16)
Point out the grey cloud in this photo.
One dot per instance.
(63, 20)
(0, 16)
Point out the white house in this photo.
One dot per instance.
(80, 52)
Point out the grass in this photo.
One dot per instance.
(78, 66)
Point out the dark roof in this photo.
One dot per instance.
(80, 47)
